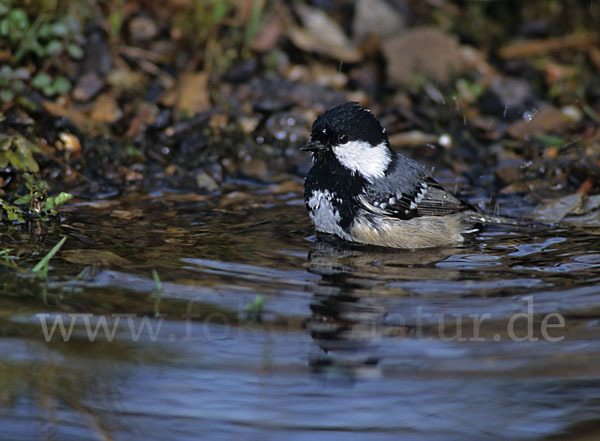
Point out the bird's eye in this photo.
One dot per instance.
(343, 138)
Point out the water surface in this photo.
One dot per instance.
(266, 333)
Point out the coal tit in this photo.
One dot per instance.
(361, 191)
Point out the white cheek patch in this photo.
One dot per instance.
(361, 157)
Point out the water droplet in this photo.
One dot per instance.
(260, 139)
(445, 141)
(529, 114)
(291, 122)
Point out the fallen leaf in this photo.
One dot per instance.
(547, 119)
(412, 138)
(321, 34)
(102, 258)
(586, 186)
(191, 93)
(78, 118)
(106, 109)
(268, 36)
(540, 47)
(127, 214)
(127, 80)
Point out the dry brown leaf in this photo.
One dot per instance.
(106, 109)
(191, 93)
(127, 214)
(78, 118)
(547, 119)
(94, 257)
(540, 47)
(323, 35)
(268, 36)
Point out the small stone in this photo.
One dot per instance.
(507, 98)
(255, 168)
(88, 85)
(376, 17)
(509, 170)
(427, 51)
(69, 142)
(248, 124)
(142, 28)
(206, 182)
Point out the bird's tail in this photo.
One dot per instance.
(485, 219)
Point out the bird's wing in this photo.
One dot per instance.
(408, 191)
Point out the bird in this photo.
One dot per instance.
(362, 191)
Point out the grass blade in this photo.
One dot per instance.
(159, 292)
(44, 262)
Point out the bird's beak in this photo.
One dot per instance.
(312, 147)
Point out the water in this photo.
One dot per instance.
(496, 339)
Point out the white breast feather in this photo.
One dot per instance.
(323, 214)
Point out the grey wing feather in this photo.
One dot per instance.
(408, 191)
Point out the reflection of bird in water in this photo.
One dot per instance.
(344, 264)
(347, 329)
(347, 320)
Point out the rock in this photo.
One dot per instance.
(285, 128)
(510, 170)
(142, 28)
(376, 17)
(206, 182)
(97, 53)
(88, 85)
(69, 143)
(242, 72)
(556, 210)
(276, 94)
(254, 167)
(507, 98)
(366, 77)
(248, 124)
(427, 51)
